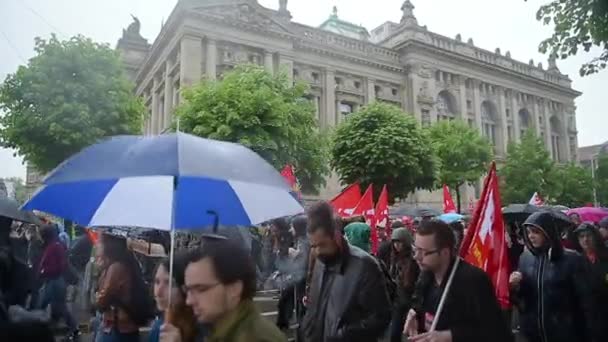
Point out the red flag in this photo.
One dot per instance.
(365, 207)
(448, 202)
(381, 219)
(345, 202)
(536, 200)
(485, 243)
(289, 174)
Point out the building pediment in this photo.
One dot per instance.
(245, 14)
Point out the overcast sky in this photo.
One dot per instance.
(510, 25)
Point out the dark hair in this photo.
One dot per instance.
(321, 216)
(444, 237)
(281, 224)
(48, 233)
(115, 248)
(179, 267)
(299, 224)
(231, 262)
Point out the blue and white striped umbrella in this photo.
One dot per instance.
(172, 181)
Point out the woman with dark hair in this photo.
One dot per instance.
(171, 301)
(121, 292)
(53, 264)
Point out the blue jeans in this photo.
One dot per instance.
(397, 321)
(116, 336)
(53, 292)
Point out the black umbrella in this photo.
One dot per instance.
(414, 211)
(10, 208)
(518, 212)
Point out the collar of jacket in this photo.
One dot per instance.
(344, 256)
(229, 323)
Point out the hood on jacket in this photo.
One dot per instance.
(600, 248)
(548, 223)
(358, 234)
(403, 235)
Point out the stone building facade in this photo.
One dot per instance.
(431, 76)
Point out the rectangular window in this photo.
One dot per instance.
(469, 104)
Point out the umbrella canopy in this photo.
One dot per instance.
(414, 211)
(9, 208)
(589, 213)
(450, 217)
(518, 212)
(173, 181)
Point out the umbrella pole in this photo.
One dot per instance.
(171, 255)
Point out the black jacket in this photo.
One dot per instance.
(555, 297)
(358, 308)
(471, 311)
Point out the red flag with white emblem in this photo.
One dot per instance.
(485, 243)
(448, 202)
(382, 218)
(345, 202)
(536, 200)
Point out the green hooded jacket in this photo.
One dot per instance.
(358, 234)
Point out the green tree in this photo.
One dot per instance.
(463, 153)
(572, 186)
(71, 94)
(601, 178)
(20, 192)
(380, 144)
(261, 111)
(528, 169)
(578, 25)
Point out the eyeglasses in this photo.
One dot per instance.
(416, 250)
(198, 288)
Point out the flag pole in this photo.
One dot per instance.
(444, 295)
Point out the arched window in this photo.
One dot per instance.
(524, 121)
(445, 106)
(489, 121)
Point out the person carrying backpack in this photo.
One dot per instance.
(122, 296)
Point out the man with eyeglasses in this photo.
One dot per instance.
(220, 282)
(471, 312)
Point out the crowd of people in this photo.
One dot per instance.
(331, 284)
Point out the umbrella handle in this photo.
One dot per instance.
(216, 223)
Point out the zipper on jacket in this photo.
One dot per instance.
(541, 306)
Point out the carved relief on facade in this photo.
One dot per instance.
(349, 84)
(308, 74)
(230, 54)
(424, 95)
(243, 14)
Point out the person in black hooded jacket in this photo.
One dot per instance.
(588, 242)
(551, 287)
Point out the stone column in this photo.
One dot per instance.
(515, 110)
(371, 91)
(191, 59)
(477, 105)
(548, 137)
(502, 114)
(286, 66)
(535, 116)
(330, 98)
(463, 99)
(565, 137)
(155, 115)
(211, 59)
(168, 96)
(414, 106)
(269, 62)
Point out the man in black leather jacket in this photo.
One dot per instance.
(347, 300)
(551, 287)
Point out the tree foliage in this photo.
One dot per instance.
(578, 25)
(380, 144)
(572, 186)
(528, 169)
(463, 153)
(261, 111)
(601, 178)
(71, 94)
